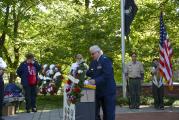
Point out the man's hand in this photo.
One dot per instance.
(92, 81)
(126, 77)
(20, 86)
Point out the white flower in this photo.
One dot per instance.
(86, 82)
(2, 63)
(80, 71)
(56, 75)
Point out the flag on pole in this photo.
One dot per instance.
(165, 65)
(130, 12)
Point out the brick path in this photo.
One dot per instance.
(149, 116)
(122, 113)
(147, 113)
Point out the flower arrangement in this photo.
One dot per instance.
(73, 91)
(50, 79)
(75, 84)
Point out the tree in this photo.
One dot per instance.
(15, 15)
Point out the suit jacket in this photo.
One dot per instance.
(22, 72)
(1, 79)
(102, 72)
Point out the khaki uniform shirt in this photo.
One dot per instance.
(134, 70)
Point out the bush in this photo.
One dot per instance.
(168, 101)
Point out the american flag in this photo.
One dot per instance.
(166, 52)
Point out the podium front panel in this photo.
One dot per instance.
(84, 110)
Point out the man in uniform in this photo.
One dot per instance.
(157, 85)
(101, 73)
(134, 73)
(2, 67)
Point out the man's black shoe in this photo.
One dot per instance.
(131, 107)
(137, 107)
(161, 108)
(28, 111)
(34, 110)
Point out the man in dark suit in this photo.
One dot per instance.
(101, 73)
(28, 72)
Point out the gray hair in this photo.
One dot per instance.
(78, 56)
(95, 48)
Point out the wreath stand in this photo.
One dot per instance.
(83, 110)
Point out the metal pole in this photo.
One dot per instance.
(123, 48)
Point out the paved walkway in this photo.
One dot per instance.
(40, 115)
(122, 113)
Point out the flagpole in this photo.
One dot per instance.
(123, 48)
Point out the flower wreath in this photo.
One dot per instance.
(73, 89)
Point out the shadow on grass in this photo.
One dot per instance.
(47, 102)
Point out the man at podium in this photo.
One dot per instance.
(102, 75)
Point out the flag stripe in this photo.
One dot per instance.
(165, 53)
(166, 57)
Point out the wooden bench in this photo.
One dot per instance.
(11, 105)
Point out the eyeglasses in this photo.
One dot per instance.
(93, 53)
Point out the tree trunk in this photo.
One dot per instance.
(3, 36)
(14, 63)
(87, 2)
(12, 77)
(16, 46)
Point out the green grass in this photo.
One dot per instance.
(54, 102)
(46, 102)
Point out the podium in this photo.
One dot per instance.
(83, 110)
